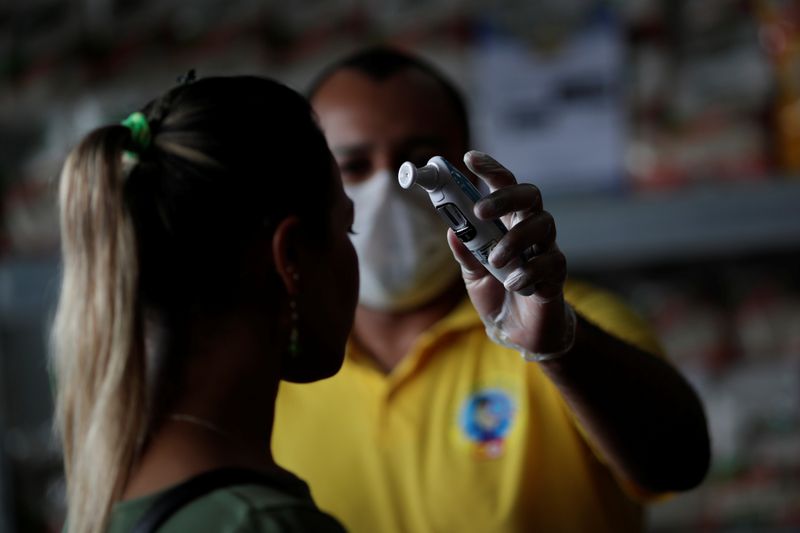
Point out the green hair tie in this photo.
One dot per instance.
(140, 129)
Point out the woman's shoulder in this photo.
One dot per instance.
(246, 508)
(268, 509)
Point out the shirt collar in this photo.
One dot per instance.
(463, 317)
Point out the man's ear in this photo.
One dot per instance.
(285, 252)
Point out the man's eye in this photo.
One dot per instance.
(355, 167)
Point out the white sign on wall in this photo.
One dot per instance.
(557, 118)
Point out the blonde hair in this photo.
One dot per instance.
(97, 333)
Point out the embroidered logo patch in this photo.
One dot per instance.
(486, 418)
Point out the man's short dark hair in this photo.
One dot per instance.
(381, 62)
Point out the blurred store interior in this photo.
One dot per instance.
(665, 136)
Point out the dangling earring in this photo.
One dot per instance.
(294, 332)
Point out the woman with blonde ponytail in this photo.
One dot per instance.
(206, 257)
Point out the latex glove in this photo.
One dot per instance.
(540, 326)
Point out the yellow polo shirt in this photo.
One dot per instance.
(462, 436)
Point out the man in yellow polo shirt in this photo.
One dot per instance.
(433, 426)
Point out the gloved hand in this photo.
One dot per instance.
(540, 326)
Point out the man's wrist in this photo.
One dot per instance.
(567, 341)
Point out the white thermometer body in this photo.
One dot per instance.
(454, 197)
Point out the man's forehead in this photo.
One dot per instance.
(359, 146)
(406, 88)
(355, 109)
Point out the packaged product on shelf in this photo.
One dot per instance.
(700, 125)
(694, 329)
(767, 321)
(779, 33)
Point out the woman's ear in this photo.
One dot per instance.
(285, 252)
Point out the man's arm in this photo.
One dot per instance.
(639, 411)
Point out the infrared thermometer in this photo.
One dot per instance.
(454, 197)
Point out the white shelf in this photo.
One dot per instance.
(606, 232)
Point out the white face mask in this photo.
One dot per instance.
(403, 255)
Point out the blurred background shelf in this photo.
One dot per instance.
(597, 232)
(688, 111)
(705, 222)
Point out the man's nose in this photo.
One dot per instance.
(392, 157)
(386, 162)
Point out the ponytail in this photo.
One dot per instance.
(99, 360)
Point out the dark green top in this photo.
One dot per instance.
(247, 508)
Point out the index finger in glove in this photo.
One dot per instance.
(524, 198)
(486, 168)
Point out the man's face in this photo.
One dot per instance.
(374, 126)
